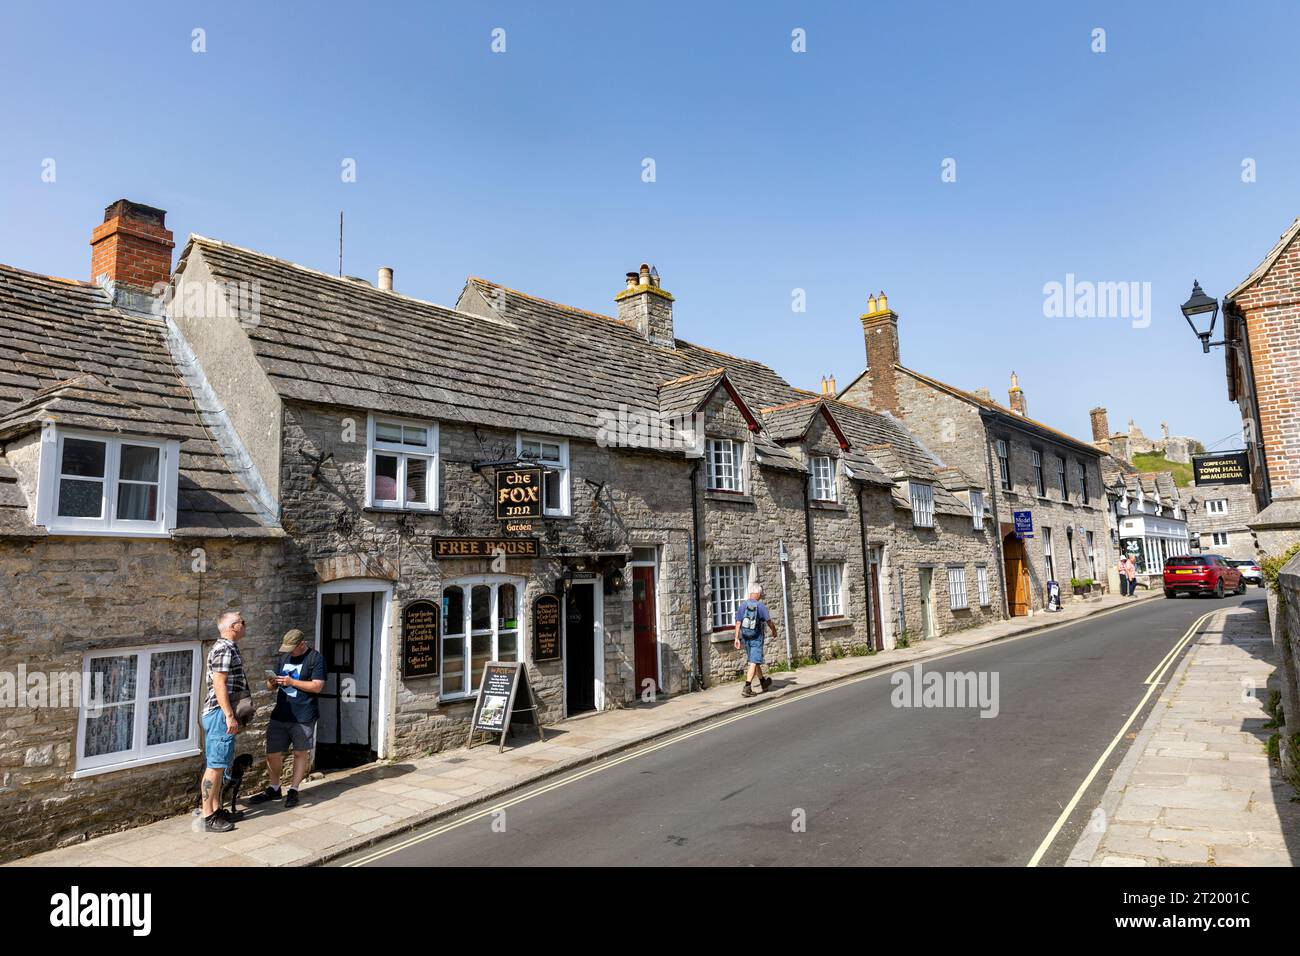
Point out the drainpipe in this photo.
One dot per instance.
(784, 557)
(812, 574)
(866, 571)
(697, 646)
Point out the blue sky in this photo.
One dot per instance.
(774, 170)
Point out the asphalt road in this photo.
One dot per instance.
(875, 784)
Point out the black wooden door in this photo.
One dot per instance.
(580, 648)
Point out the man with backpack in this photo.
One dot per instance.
(751, 616)
(300, 677)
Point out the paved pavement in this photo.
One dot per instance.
(346, 812)
(1197, 787)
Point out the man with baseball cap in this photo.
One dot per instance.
(300, 676)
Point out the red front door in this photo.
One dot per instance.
(643, 620)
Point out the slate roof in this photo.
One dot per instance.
(67, 355)
(506, 359)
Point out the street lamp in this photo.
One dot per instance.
(1199, 304)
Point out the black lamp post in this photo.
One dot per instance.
(1197, 305)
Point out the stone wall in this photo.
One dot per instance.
(1241, 510)
(65, 597)
(1284, 621)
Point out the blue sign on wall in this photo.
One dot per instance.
(1024, 523)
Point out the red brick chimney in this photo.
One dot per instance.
(880, 329)
(132, 247)
(1017, 396)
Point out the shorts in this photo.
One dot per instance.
(753, 649)
(281, 733)
(218, 744)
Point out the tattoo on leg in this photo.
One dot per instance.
(207, 790)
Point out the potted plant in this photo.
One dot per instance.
(1081, 586)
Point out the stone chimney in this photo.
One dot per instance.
(880, 329)
(386, 278)
(131, 250)
(647, 307)
(1100, 426)
(1017, 396)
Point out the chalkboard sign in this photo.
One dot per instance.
(420, 627)
(503, 693)
(546, 628)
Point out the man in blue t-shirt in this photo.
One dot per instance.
(751, 616)
(300, 677)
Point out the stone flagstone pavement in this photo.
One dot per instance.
(346, 812)
(1196, 788)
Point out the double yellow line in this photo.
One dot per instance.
(1151, 683)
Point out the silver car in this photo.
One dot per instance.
(1249, 571)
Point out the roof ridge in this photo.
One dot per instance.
(779, 408)
(682, 380)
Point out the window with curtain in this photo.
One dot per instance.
(403, 466)
(141, 706)
(113, 485)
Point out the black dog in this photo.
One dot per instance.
(234, 779)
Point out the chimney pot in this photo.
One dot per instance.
(386, 278)
(832, 386)
(1017, 396)
(871, 304)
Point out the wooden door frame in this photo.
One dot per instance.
(386, 653)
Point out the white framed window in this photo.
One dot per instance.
(1004, 464)
(922, 504)
(729, 584)
(982, 582)
(1049, 561)
(480, 623)
(1092, 555)
(402, 469)
(1216, 506)
(821, 478)
(977, 509)
(139, 706)
(1060, 475)
(1083, 480)
(553, 455)
(91, 483)
(830, 590)
(1040, 484)
(957, 589)
(726, 464)
(1219, 538)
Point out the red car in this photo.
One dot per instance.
(1202, 574)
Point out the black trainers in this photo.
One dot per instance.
(291, 798)
(270, 793)
(217, 823)
(747, 691)
(766, 682)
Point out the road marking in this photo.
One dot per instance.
(1151, 683)
(607, 764)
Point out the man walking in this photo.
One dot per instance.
(751, 615)
(300, 677)
(227, 692)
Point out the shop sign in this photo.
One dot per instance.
(1221, 468)
(1024, 523)
(546, 628)
(420, 626)
(448, 547)
(519, 494)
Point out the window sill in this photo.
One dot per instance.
(730, 497)
(826, 504)
(131, 764)
(103, 532)
(831, 623)
(377, 510)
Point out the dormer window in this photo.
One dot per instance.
(821, 478)
(726, 459)
(98, 484)
(402, 469)
(977, 509)
(922, 504)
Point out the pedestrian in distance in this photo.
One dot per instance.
(751, 616)
(1131, 571)
(299, 677)
(227, 706)
(1123, 576)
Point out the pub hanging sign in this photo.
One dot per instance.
(519, 494)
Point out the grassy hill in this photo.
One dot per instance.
(1182, 473)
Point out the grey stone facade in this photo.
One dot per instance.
(1224, 510)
